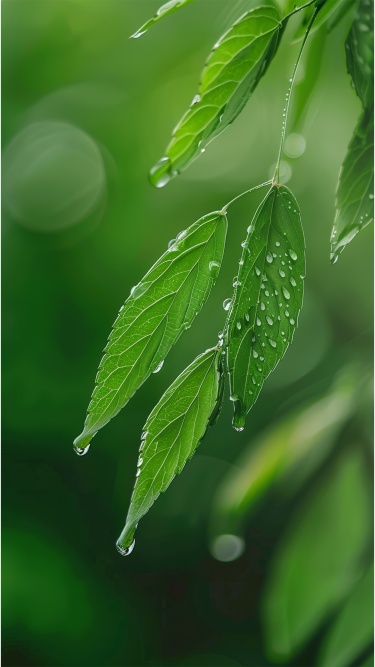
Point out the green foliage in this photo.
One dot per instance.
(263, 311)
(172, 433)
(163, 11)
(233, 69)
(352, 631)
(267, 298)
(355, 192)
(354, 197)
(287, 454)
(158, 310)
(318, 561)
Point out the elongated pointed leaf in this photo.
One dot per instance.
(352, 632)
(319, 559)
(267, 298)
(157, 311)
(355, 191)
(360, 53)
(232, 71)
(172, 433)
(164, 10)
(312, 61)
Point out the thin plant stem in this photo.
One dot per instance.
(256, 187)
(289, 93)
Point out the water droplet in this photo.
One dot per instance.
(255, 354)
(277, 244)
(293, 255)
(269, 320)
(259, 323)
(140, 461)
(257, 271)
(138, 472)
(138, 290)
(144, 435)
(162, 173)
(227, 304)
(267, 294)
(287, 313)
(125, 551)
(236, 283)
(159, 367)
(81, 451)
(262, 306)
(247, 317)
(269, 258)
(292, 281)
(272, 342)
(239, 326)
(214, 268)
(195, 100)
(282, 273)
(371, 196)
(285, 292)
(292, 321)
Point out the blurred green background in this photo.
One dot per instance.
(260, 552)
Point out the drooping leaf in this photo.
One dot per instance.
(352, 632)
(319, 559)
(172, 433)
(267, 298)
(360, 53)
(164, 10)
(232, 71)
(153, 317)
(286, 454)
(355, 191)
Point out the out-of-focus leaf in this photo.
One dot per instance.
(360, 53)
(163, 11)
(369, 662)
(158, 310)
(267, 298)
(329, 15)
(353, 629)
(303, 90)
(286, 454)
(355, 191)
(319, 559)
(236, 64)
(172, 433)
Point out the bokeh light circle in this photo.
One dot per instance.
(53, 176)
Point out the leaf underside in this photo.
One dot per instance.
(354, 196)
(233, 69)
(157, 311)
(172, 433)
(267, 298)
(355, 190)
(163, 11)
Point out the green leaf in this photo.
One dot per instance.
(369, 662)
(286, 454)
(360, 53)
(158, 310)
(232, 71)
(172, 433)
(319, 559)
(267, 298)
(163, 11)
(355, 190)
(330, 14)
(352, 631)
